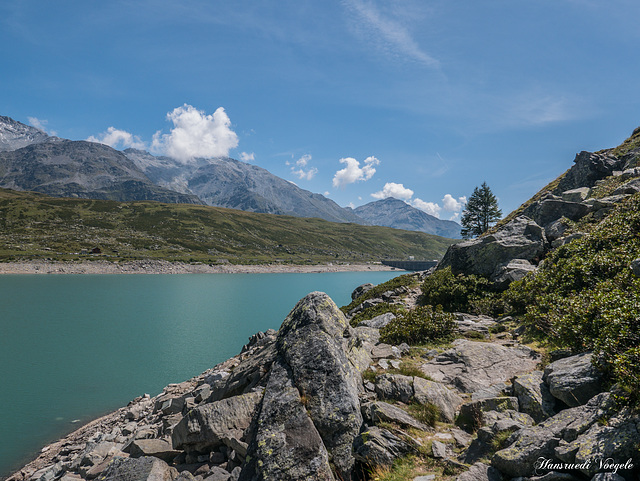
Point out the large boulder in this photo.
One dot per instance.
(378, 411)
(379, 447)
(206, 426)
(551, 208)
(379, 321)
(534, 396)
(360, 290)
(314, 340)
(521, 238)
(574, 380)
(285, 445)
(480, 472)
(138, 469)
(394, 386)
(512, 271)
(472, 366)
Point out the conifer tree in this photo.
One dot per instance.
(480, 213)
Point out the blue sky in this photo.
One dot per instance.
(355, 99)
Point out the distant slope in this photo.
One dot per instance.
(66, 168)
(226, 182)
(37, 225)
(395, 213)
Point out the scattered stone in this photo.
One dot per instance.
(471, 366)
(217, 474)
(576, 195)
(461, 438)
(635, 267)
(360, 290)
(204, 427)
(139, 469)
(158, 448)
(607, 477)
(512, 271)
(382, 351)
(428, 477)
(379, 321)
(439, 450)
(480, 472)
(446, 400)
(378, 411)
(631, 187)
(379, 447)
(394, 386)
(495, 390)
(533, 396)
(574, 380)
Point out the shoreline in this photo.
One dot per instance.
(166, 267)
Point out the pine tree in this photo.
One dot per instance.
(480, 212)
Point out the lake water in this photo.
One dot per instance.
(74, 347)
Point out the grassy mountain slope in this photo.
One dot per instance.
(33, 224)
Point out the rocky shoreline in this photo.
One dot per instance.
(298, 404)
(166, 267)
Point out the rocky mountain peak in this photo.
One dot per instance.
(15, 135)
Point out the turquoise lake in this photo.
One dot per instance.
(74, 347)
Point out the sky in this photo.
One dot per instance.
(422, 100)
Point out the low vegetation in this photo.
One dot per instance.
(407, 280)
(421, 325)
(37, 226)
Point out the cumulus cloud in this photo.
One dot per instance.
(450, 204)
(430, 208)
(298, 168)
(353, 172)
(40, 124)
(391, 189)
(246, 157)
(196, 135)
(118, 139)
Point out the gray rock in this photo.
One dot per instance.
(447, 400)
(314, 340)
(378, 411)
(382, 351)
(428, 477)
(576, 195)
(471, 366)
(139, 469)
(540, 441)
(235, 474)
(217, 474)
(533, 396)
(394, 386)
(495, 390)
(574, 380)
(556, 229)
(472, 414)
(379, 321)
(360, 290)
(550, 209)
(631, 187)
(461, 438)
(512, 271)
(589, 167)
(565, 240)
(286, 445)
(369, 335)
(480, 472)
(379, 447)
(635, 267)
(204, 427)
(158, 448)
(521, 238)
(172, 406)
(555, 476)
(439, 450)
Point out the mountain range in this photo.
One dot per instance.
(31, 160)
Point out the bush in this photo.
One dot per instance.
(421, 325)
(459, 293)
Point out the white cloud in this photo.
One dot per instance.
(300, 172)
(450, 204)
(430, 208)
(388, 33)
(118, 139)
(245, 157)
(391, 189)
(327, 193)
(196, 134)
(353, 173)
(40, 125)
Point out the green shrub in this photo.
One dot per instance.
(421, 325)
(585, 297)
(459, 293)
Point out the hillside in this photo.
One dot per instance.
(35, 225)
(398, 214)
